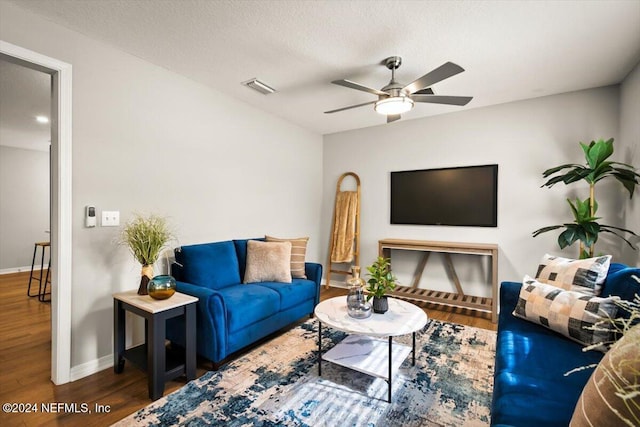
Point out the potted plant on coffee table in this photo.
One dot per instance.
(380, 282)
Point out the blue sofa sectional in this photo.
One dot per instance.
(530, 388)
(232, 315)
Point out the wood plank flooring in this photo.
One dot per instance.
(25, 363)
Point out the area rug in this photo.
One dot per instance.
(277, 384)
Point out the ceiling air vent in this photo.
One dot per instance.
(259, 86)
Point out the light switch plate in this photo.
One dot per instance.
(110, 218)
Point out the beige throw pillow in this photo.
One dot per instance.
(298, 254)
(268, 262)
(600, 403)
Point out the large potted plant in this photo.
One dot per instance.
(380, 282)
(146, 237)
(585, 228)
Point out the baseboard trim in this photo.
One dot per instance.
(335, 284)
(18, 269)
(91, 367)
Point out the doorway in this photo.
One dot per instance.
(60, 166)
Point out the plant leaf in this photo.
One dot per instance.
(545, 229)
(598, 152)
(604, 229)
(551, 171)
(567, 237)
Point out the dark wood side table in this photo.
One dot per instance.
(161, 364)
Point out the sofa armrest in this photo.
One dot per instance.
(621, 282)
(211, 323)
(509, 294)
(313, 271)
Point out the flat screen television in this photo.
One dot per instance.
(460, 196)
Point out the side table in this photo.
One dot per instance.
(161, 365)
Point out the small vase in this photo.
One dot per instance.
(162, 287)
(357, 306)
(147, 274)
(380, 305)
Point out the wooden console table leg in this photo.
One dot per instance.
(420, 269)
(494, 286)
(452, 271)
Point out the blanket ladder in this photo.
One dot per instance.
(341, 269)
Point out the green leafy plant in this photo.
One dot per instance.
(146, 237)
(586, 228)
(381, 280)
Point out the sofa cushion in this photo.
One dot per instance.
(268, 261)
(298, 254)
(582, 275)
(566, 312)
(213, 265)
(618, 371)
(248, 304)
(294, 293)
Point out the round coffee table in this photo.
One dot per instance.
(363, 350)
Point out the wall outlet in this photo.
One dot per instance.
(110, 218)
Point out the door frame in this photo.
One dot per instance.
(61, 193)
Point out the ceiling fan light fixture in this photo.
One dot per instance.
(394, 105)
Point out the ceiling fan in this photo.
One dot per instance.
(395, 99)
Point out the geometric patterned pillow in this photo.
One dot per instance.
(298, 254)
(566, 312)
(581, 275)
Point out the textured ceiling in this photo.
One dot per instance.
(510, 50)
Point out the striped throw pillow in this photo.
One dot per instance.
(298, 254)
(580, 275)
(567, 312)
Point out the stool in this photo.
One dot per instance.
(41, 292)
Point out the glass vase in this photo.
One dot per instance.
(161, 287)
(357, 306)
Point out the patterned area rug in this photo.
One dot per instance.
(278, 384)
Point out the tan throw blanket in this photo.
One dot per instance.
(344, 228)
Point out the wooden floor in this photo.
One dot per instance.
(25, 364)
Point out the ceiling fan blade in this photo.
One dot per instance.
(393, 117)
(350, 107)
(441, 99)
(356, 86)
(427, 91)
(442, 72)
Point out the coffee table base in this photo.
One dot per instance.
(372, 356)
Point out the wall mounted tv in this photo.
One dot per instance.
(462, 196)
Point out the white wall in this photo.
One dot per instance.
(24, 206)
(148, 140)
(524, 138)
(630, 153)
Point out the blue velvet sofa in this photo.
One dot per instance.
(529, 387)
(231, 315)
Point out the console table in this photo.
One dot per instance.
(458, 299)
(160, 363)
